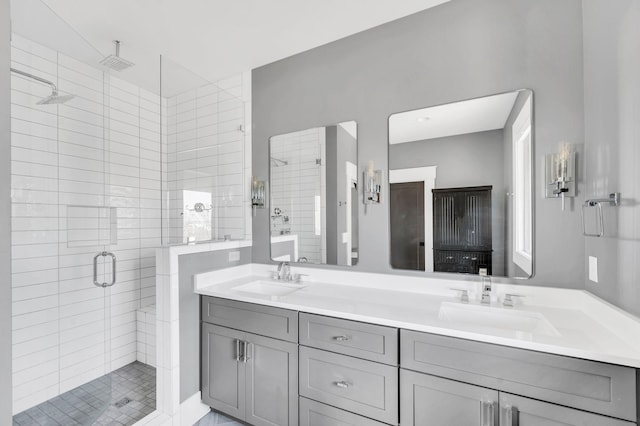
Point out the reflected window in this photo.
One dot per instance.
(522, 243)
(196, 216)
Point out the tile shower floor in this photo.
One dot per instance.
(133, 396)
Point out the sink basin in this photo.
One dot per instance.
(268, 288)
(522, 324)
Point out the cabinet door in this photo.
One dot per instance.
(519, 411)
(223, 375)
(433, 401)
(271, 382)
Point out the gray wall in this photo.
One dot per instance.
(188, 265)
(458, 50)
(5, 215)
(612, 138)
(472, 159)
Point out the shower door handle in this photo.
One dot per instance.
(113, 269)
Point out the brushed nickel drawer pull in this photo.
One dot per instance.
(341, 338)
(342, 384)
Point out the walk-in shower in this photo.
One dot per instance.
(54, 97)
(153, 156)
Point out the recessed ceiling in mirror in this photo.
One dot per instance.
(314, 195)
(460, 178)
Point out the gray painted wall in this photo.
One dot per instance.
(472, 159)
(459, 50)
(612, 137)
(5, 215)
(188, 265)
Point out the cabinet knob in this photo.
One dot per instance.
(341, 338)
(342, 384)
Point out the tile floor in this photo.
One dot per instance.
(214, 418)
(81, 406)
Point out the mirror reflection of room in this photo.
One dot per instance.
(313, 208)
(460, 186)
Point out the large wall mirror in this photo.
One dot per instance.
(314, 195)
(461, 187)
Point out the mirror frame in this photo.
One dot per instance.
(532, 210)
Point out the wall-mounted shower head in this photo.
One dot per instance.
(276, 162)
(115, 62)
(54, 97)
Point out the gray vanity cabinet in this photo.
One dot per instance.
(519, 411)
(433, 401)
(251, 377)
(456, 377)
(223, 374)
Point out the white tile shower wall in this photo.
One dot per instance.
(208, 144)
(100, 149)
(295, 186)
(146, 332)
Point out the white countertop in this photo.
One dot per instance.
(580, 324)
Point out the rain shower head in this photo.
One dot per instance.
(54, 97)
(115, 62)
(276, 162)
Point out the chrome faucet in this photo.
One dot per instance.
(486, 286)
(284, 271)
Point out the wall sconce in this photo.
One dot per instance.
(372, 185)
(561, 174)
(258, 194)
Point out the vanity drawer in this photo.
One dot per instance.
(355, 385)
(313, 413)
(263, 320)
(587, 385)
(368, 341)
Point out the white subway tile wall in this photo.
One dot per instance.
(297, 163)
(207, 162)
(94, 160)
(146, 332)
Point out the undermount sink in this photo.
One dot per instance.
(268, 288)
(523, 324)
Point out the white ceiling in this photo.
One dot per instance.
(218, 38)
(458, 118)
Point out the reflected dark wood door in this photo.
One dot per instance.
(407, 225)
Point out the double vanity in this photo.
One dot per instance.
(362, 349)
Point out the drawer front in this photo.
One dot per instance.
(368, 341)
(363, 387)
(263, 320)
(586, 385)
(313, 413)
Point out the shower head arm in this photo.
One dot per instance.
(39, 79)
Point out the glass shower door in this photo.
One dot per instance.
(61, 221)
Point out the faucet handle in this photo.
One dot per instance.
(297, 278)
(464, 294)
(508, 299)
